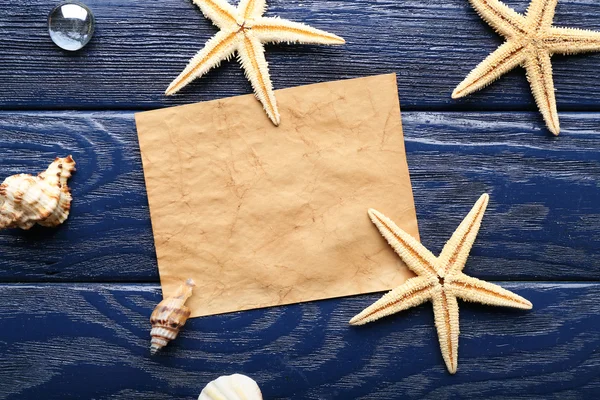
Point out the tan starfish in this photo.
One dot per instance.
(245, 30)
(439, 280)
(531, 41)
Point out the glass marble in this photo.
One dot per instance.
(71, 25)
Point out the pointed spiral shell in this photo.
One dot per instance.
(231, 387)
(26, 200)
(169, 316)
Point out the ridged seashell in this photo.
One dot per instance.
(231, 387)
(169, 316)
(44, 199)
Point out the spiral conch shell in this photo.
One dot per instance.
(45, 199)
(231, 387)
(169, 316)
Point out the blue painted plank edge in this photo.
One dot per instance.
(64, 341)
(138, 48)
(542, 222)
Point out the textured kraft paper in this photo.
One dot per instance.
(262, 216)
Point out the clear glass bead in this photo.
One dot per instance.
(71, 25)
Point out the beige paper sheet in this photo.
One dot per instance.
(260, 215)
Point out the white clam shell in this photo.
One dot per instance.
(231, 387)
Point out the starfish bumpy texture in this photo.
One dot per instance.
(244, 30)
(439, 280)
(531, 41)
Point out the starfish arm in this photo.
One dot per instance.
(508, 56)
(539, 75)
(501, 17)
(540, 13)
(455, 252)
(445, 312)
(251, 54)
(572, 41)
(252, 8)
(414, 254)
(220, 12)
(275, 30)
(413, 292)
(472, 289)
(220, 47)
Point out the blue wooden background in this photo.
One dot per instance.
(75, 301)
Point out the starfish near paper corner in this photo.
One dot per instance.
(244, 30)
(439, 280)
(531, 41)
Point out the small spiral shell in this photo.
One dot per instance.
(169, 316)
(231, 387)
(26, 200)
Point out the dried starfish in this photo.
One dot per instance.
(245, 30)
(531, 41)
(440, 280)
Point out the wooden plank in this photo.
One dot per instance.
(108, 235)
(139, 47)
(544, 214)
(92, 341)
(542, 222)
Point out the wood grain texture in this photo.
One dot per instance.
(538, 226)
(92, 341)
(108, 234)
(139, 47)
(541, 224)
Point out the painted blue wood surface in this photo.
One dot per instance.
(65, 335)
(91, 342)
(139, 47)
(542, 222)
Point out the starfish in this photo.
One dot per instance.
(244, 30)
(439, 280)
(531, 42)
